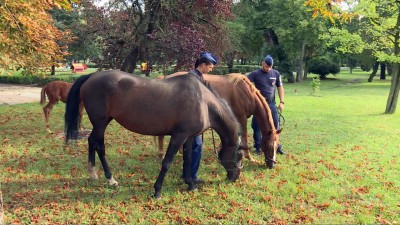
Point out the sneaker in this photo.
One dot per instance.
(195, 180)
(279, 150)
(258, 151)
(198, 181)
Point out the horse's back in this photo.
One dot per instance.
(234, 92)
(142, 105)
(57, 90)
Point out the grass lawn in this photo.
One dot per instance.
(342, 167)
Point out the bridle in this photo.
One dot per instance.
(235, 160)
(270, 159)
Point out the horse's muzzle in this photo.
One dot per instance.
(233, 175)
(270, 163)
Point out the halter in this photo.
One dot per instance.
(269, 159)
(235, 159)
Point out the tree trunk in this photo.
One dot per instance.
(230, 58)
(305, 72)
(53, 70)
(300, 63)
(374, 71)
(130, 61)
(383, 71)
(395, 83)
(389, 69)
(394, 90)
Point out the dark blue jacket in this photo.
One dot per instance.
(266, 82)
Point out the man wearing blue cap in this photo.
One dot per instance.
(267, 80)
(204, 64)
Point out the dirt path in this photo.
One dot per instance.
(17, 94)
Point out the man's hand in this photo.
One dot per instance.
(281, 106)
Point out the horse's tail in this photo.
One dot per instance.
(43, 95)
(72, 109)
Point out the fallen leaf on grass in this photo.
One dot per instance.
(323, 205)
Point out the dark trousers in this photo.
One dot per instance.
(256, 129)
(196, 155)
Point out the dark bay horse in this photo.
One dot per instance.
(55, 91)
(245, 100)
(181, 107)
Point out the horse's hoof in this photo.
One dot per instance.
(93, 173)
(112, 182)
(251, 159)
(161, 155)
(156, 195)
(49, 131)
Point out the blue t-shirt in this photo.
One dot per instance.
(266, 82)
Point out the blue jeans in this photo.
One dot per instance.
(196, 155)
(256, 129)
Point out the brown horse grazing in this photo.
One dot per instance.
(181, 107)
(245, 100)
(55, 91)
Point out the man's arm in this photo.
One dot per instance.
(281, 93)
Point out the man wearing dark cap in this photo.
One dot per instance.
(203, 65)
(267, 80)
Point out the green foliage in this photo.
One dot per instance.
(23, 77)
(323, 66)
(366, 67)
(343, 41)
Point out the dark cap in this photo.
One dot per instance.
(269, 60)
(209, 56)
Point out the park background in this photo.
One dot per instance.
(340, 66)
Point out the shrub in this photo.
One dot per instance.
(315, 85)
(365, 67)
(323, 66)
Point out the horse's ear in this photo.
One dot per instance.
(279, 131)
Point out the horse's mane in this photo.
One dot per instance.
(213, 91)
(235, 78)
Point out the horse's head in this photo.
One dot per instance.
(231, 159)
(269, 146)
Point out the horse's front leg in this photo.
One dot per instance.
(244, 140)
(174, 144)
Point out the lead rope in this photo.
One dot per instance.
(283, 118)
(213, 139)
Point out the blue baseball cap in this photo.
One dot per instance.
(209, 56)
(269, 60)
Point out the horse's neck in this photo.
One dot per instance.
(263, 114)
(225, 124)
(261, 110)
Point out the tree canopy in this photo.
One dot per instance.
(29, 38)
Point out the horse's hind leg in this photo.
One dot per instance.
(92, 156)
(80, 115)
(174, 144)
(46, 110)
(160, 146)
(96, 143)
